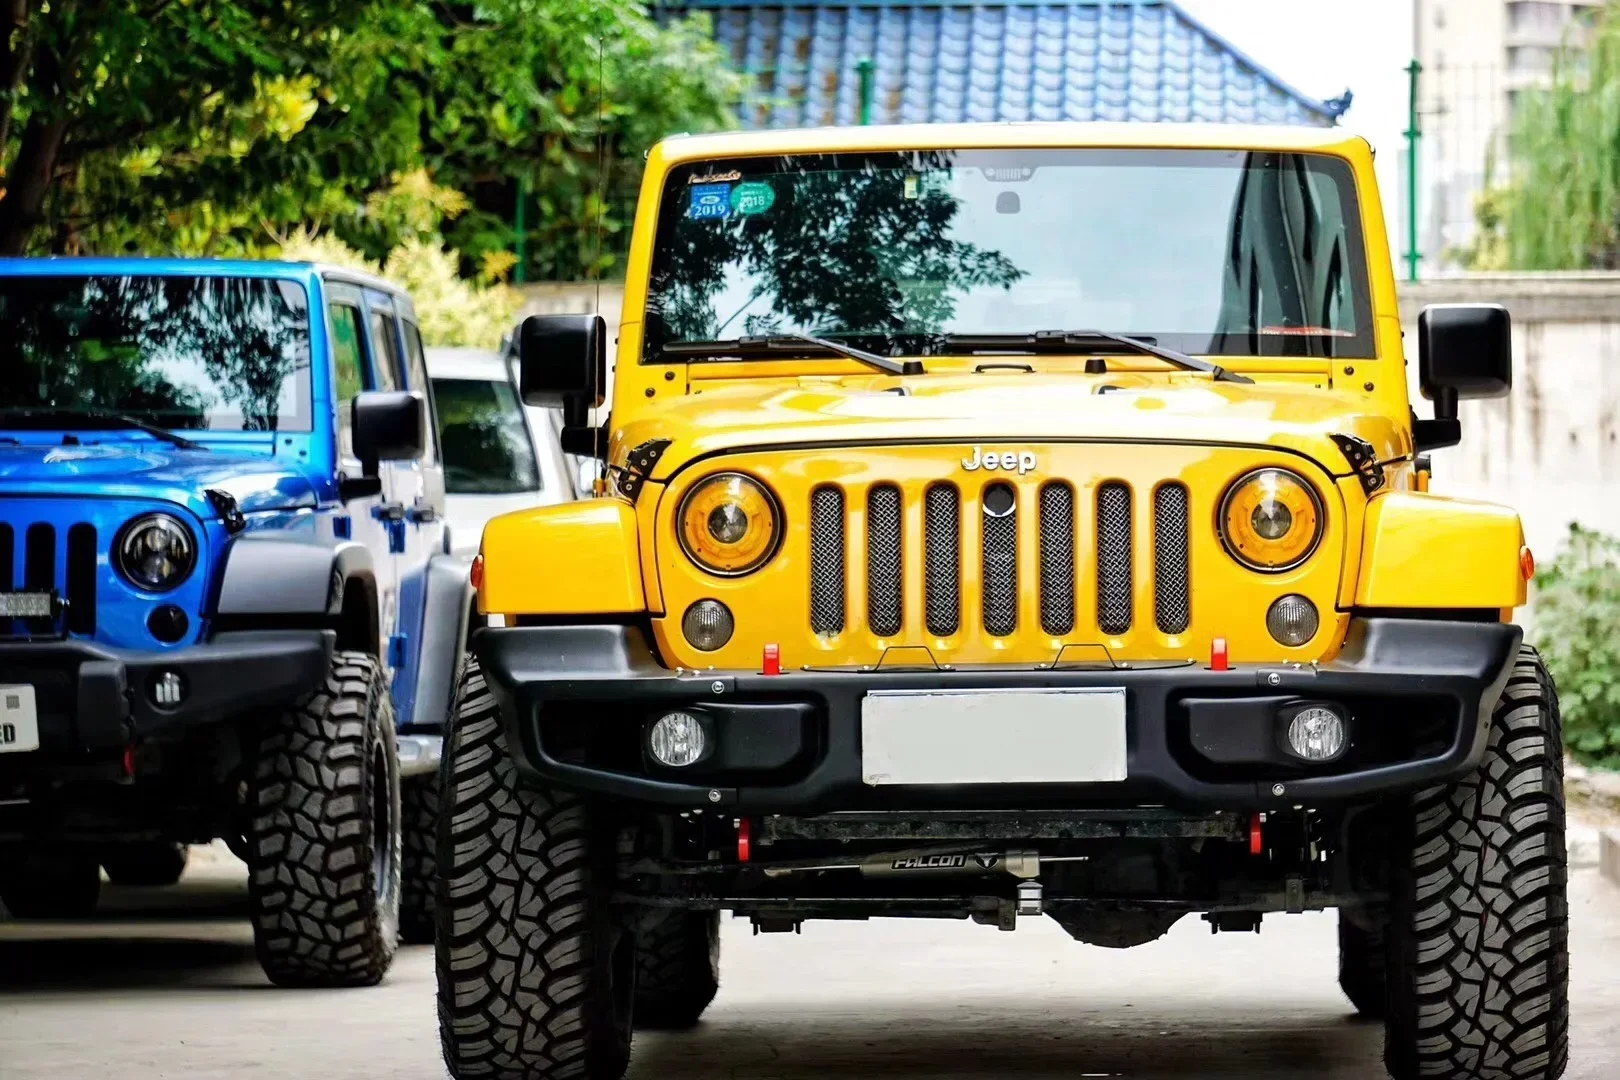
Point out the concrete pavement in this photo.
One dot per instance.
(165, 986)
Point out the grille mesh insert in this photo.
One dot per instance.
(942, 543)
(1001, 565)
(883, 560)
(1057, 558)
(827, 561)
(1114, 558)
(1172, 582)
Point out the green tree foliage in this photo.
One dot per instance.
(1577, 610)
(223, 127)
(1559, 208)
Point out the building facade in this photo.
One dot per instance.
(1478, 58)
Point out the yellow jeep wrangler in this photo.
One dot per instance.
(1002, 521)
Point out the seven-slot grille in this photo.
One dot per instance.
(50, 562)
(1071, 526)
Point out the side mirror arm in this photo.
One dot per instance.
(1445, 429)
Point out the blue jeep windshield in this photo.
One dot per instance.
(191, 353)
(1230, 253)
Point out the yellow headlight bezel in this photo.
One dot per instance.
(1246, 550)
(748, 554)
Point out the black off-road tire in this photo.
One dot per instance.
(1479, 969)
(419, 829)
(1363, 965)
(536, 976)
(323, 833)
(40, 885)
(146, 866)
(677, 970)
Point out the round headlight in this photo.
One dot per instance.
(155, 552)
(1271, 520)
(729, 525)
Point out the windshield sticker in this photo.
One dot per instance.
(755, 197)
(717, 178)
(912, 186)
(710, 202)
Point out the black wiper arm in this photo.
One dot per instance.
(68, 416)
(1065, 340)
(788, 342)
(153, 430)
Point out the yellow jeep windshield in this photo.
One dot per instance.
(1213, 252)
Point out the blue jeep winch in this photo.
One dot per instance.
(226, 607)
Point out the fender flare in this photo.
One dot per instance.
(277, 575)
(446, 607)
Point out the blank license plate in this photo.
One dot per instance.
(19, 720)
(993, 736)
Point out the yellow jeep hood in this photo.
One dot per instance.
(809, 411)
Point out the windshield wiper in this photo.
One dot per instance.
(1070, 340)
(789, 342)
(68, 417)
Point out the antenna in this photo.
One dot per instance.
(601, 209)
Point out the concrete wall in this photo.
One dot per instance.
(1551, 450)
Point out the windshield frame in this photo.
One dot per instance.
(302, 421)
(677, 180)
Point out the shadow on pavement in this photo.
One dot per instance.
(193, 933)
(1034, 1045)
(106, 962)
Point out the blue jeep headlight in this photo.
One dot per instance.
(155, 552)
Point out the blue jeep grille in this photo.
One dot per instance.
(50, 562)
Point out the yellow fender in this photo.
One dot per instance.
(1428, 551)
(579, 558)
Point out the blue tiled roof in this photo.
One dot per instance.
(956, 60)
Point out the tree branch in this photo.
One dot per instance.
(19, 44)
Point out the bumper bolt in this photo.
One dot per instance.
(714, 796)
(1274, 679)
(717, 686)
(1276, 789)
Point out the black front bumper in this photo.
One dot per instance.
(92, 698)
(576, 701)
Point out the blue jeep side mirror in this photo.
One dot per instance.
(389, 425)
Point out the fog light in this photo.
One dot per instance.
(168, 689)
(1316, 733)
(676, 739)
(1292, 620)
(708, 624)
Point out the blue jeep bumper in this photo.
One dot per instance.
(91, 697)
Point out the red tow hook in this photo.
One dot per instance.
(1257, 840)
(771, 663)
(129, 762)
(1217, 655)
(745, 839)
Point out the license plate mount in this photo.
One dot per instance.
(19, 719)
(950, 737)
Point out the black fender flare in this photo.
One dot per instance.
(275, 574)
(447, 604)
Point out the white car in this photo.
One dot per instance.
(499, 456)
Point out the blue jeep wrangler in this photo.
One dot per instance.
(226, 603)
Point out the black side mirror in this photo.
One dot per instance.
(389, 425)
(1464, 351)
(562, 363)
